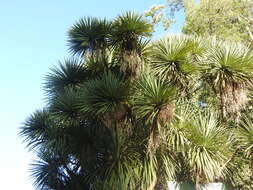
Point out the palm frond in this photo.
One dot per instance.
(46, 171)
(148, 172)
(175, 59)
(70, 73)
(208, 148)
(244, 135)
(64, 105)
(106, 96)
(88, 35)
(153, 98)
(36, 128)
(128, 28)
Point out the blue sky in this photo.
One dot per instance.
(33, 39)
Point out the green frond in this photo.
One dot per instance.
(201, 145)
(209, 146)
(130, 27)
(46, 172)
(70, 73)
(228, 63)
(104, 96)
(152, 97)
(144, 49)
(36, 128)
(175, 59)
(168, 166)
(65, 104)
(244, 134)
(88, 35)
(148, 172)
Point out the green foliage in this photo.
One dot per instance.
(226, 19)
(36, 128)
(88, 35)
(175, 58)
(127, 28)
(70, 73)
(133, 114)
(151, 97)
(209, 147)
(228, 63)
(105, 95)
(245, 135)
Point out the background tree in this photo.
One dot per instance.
(226, 19)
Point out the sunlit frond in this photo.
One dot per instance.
(175, 59)
(244, 135)
(206, 146)
(153, 99)
(128, 28)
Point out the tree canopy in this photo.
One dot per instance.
(126, 112)
(226, 19)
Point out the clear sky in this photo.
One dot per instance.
(32, 39)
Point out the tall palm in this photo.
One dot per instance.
(227, 69)
(128, 29)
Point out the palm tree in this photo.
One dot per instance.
(128, 31)
(115, 118)
(93, 36)
(227, 69)
(153, 101)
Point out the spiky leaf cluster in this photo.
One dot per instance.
(128, 113)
